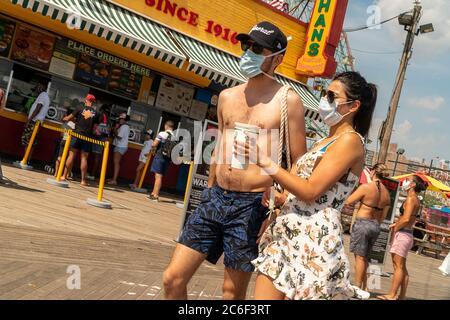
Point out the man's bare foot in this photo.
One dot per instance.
(84, 184)
(387, 297)
(112, 182)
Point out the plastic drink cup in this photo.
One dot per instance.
(243, 133)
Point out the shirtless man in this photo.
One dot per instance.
(230, 216)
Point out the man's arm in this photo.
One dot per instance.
(36, 111)
(297, 131)
(213, 163)
(71, 116)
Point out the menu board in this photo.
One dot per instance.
(92, 71)
(125, 82)
(33, 48)
(175, 97)
(198, 110)
(6, 36)
(64, 60)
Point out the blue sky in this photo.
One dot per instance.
(422, 123)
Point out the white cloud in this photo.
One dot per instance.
(432, 120)
(428, 103)
(402, 130)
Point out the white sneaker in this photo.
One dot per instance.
(92, 178)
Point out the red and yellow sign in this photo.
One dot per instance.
(323, 37)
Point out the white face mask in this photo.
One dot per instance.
(328, 112)
(406, 185)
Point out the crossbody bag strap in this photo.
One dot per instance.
(283, 141)
(284, 129)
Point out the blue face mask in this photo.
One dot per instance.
(250, 63)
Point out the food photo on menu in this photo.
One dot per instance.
(33, 48)
(6, 36)
(92, 71)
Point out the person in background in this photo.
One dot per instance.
(2, 106)
(121, 134)
(85, 118)
(143, 157)
(2, 99)
(375, 202)
(403, 239)
(37, 112)
(160, 163)
(101, 133)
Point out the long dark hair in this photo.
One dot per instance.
(357, 88)
(420, 184)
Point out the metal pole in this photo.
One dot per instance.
(431, 166)
(30, 144)
(144, 171)
(62, 162)
(101, 183)
(406, 56)
(395, 165)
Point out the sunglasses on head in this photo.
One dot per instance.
(331, 97)
(255, 47)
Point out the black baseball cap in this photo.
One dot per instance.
(266, 34)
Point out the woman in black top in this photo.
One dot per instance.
(375, 200)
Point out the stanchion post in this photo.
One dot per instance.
(191, 166)
(182, 205)
(101, 184)
(99, 201)
(62, 162)
(24, 163)
(144, 172)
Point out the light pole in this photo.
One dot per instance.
(431, 165)
(410, 21)
(399, 152)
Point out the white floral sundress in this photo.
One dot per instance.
(303, 249)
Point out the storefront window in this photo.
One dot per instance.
(22, 94)
(65, 95)
(5, 72)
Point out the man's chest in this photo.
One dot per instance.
(265, 116)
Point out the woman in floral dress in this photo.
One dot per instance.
(302, 252)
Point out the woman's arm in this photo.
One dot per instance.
(405, 219)
(337, 161)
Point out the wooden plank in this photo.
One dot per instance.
(48, 289)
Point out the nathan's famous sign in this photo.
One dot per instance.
(323, 37)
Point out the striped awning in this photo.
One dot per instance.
(309, 100)
(113, 23)
(210, 62)
(223, 68)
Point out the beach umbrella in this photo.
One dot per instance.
(433, 184)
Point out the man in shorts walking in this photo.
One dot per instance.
(230, 215)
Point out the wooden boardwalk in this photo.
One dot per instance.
(121, 253)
